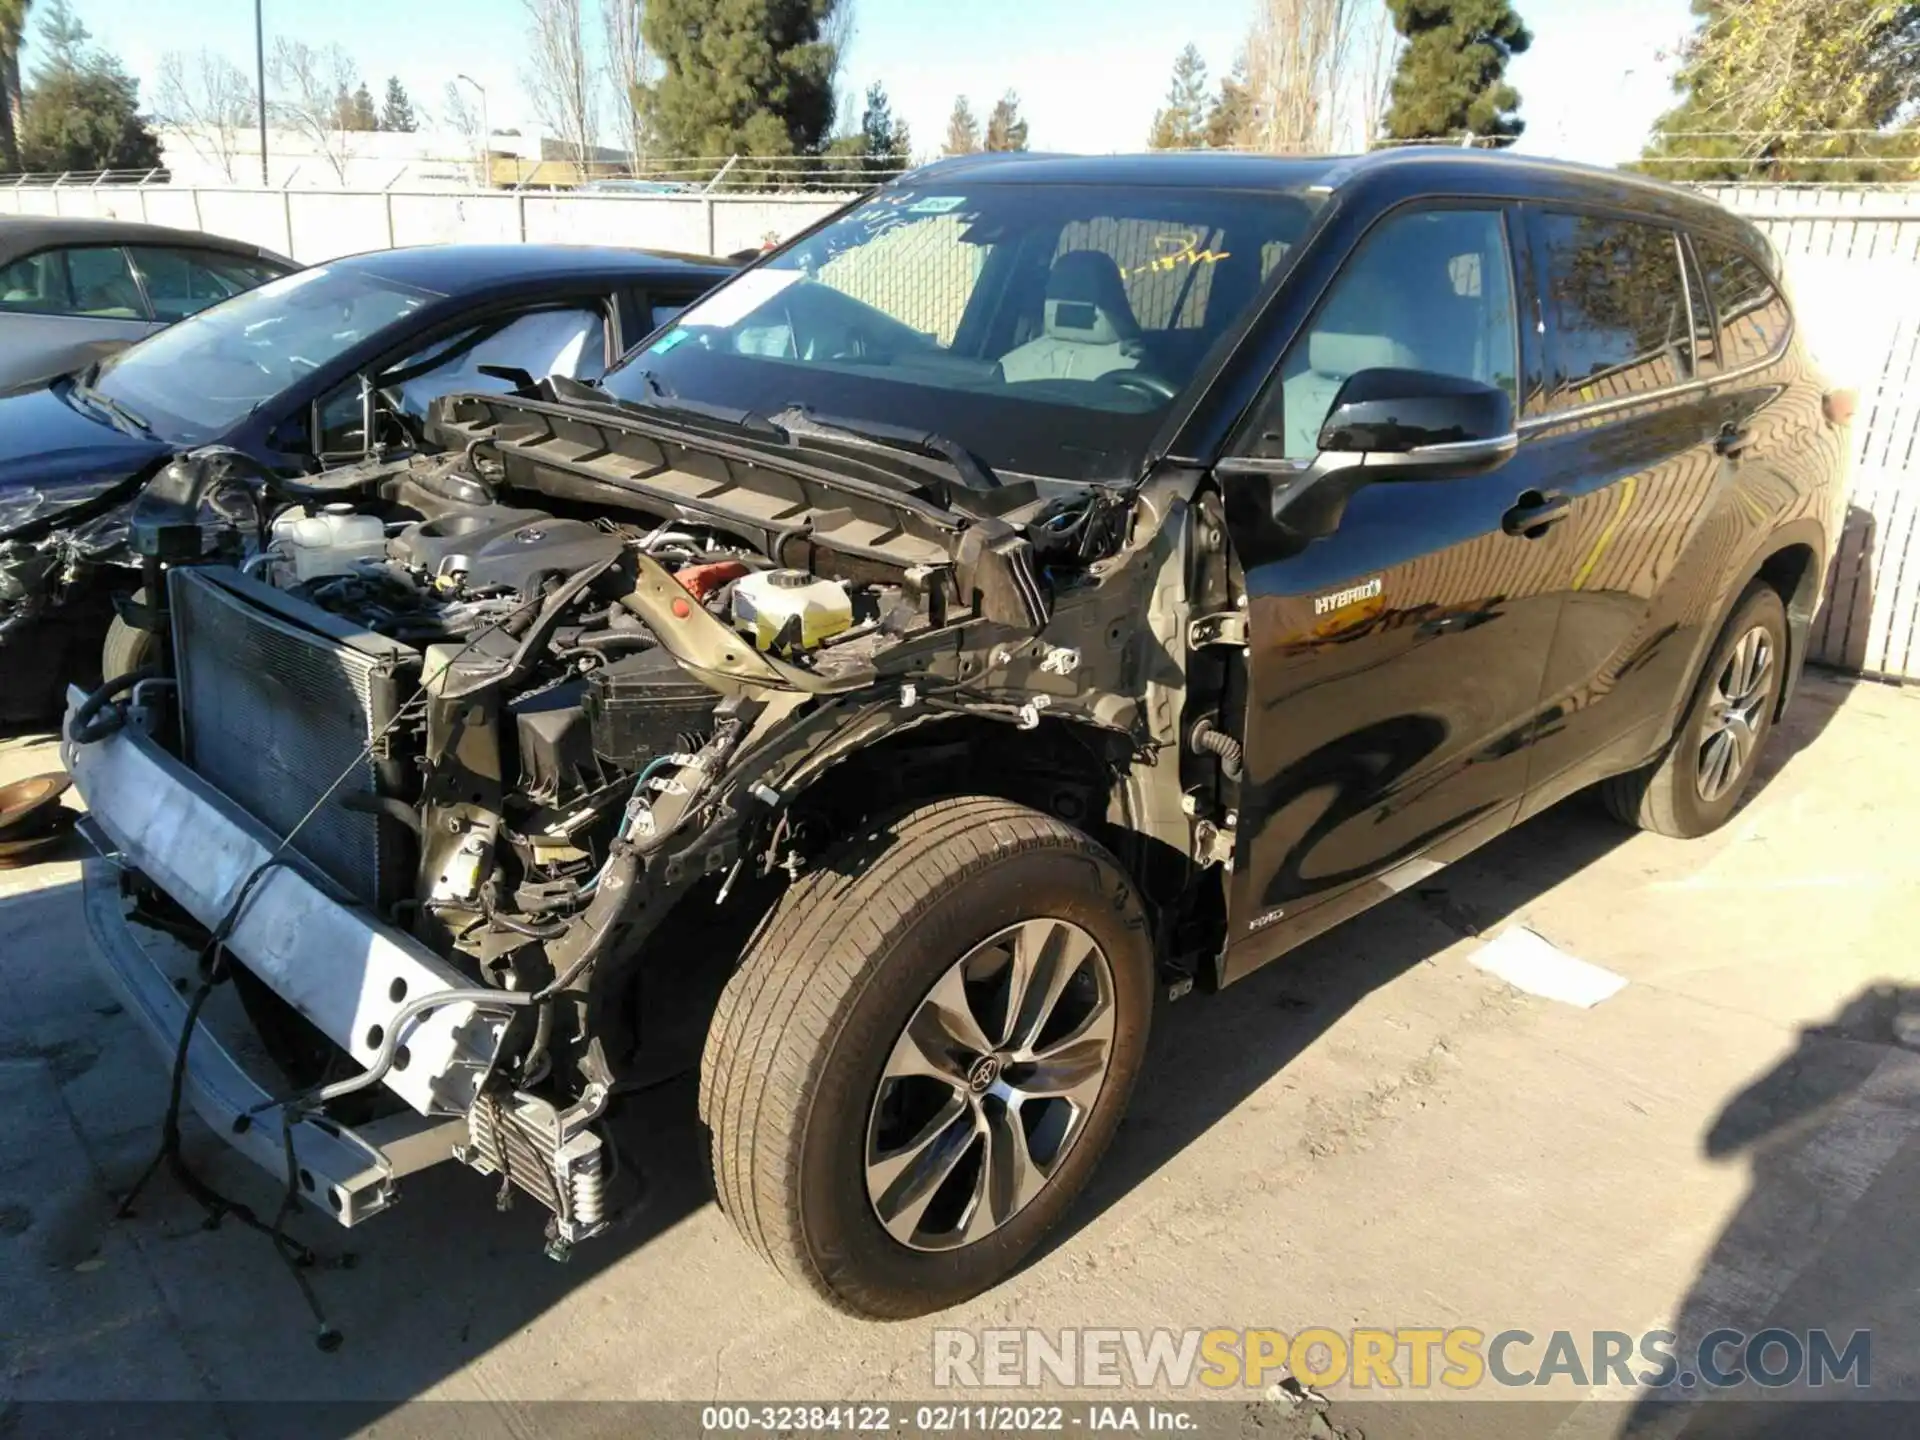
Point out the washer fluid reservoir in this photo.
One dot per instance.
(768, 602)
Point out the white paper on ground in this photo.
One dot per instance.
(1529, 961)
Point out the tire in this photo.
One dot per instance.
(1670, 797)
(128, 649)
(797, 1080)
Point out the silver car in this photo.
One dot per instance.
(75, 291)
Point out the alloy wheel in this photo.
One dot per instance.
(990, 1084)
(1735, 714)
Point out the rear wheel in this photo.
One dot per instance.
(924, 1052)
(1696, 785)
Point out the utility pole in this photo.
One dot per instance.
(260, 80)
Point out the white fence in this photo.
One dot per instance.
(316, 225)
(1853, 259)
(1852, 255)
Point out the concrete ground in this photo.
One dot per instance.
(1372, 1132)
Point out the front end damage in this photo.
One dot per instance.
(438, 765)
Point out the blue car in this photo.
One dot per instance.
(322, 367)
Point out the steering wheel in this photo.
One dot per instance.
(1142, 382)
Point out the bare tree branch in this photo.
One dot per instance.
(560, 78)
(309, 87)
(1296, 70)
(629, 66)
(208, 101)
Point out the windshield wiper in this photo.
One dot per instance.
(666, 402)
(924, 451)
(127, 420)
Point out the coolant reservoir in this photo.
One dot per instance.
(767, 601)
(333, 542)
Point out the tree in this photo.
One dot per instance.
(1005, 129)
(1182, 124)
(1297, 72)
(750, 77)
(1450, 82)
(886, 144)
(461, 118)
(82, 111)
(13, 24)
(396, 111)
(963, 131)
(209, 102)
(629, 66)
(313, 93)
(1794, 90)
(561, 79)
(1231, 115)
(356, 110)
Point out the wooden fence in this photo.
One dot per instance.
(1853, 262)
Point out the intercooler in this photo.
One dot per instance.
(278, 698)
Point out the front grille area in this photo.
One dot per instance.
(276, 703)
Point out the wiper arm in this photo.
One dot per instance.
(668, 403)
(922, 449)
(126, 419)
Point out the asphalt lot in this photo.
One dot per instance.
(1373, 1132)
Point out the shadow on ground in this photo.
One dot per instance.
(471, 1276)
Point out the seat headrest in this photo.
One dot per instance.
(1087, 301)
(1337, 355)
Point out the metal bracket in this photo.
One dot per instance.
(1225, 627)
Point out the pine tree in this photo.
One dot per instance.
(963, 131)
(1005, 129)
(82, 111)
(751, 77)
(886, 145)
(396, 111)
(1182, 125)
(1231, 112)
(1451, 79)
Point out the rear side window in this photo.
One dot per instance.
(93, 281)
(1753, 315)
(1621, 322)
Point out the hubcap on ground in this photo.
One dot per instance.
(990, 1084)
(1735, 713)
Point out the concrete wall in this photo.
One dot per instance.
(316, 225)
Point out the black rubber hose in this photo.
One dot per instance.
(89, 725)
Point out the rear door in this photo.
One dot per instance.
(1625, 433)
(1394, 667)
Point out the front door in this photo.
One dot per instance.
(1394, 665)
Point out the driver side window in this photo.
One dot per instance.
(1426, 291)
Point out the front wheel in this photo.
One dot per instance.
(924, 1052)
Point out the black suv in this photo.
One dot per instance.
(1044, 585)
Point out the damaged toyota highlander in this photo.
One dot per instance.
(1043, 588)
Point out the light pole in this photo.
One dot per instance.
(486, 134)
(260, 81)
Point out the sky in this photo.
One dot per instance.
(1089, 73)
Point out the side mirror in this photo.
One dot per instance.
(317, 423)
(1416, 424)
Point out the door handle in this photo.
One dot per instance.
(1534, 511)
(1732, 439)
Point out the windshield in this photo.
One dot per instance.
(197, 378)
(1048, 330)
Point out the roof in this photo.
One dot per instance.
(1402, 172)
(1214, 169)
(450, 269)
(24, 234)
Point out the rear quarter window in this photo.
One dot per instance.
(1752, 313)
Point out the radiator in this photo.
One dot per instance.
(278, 699)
